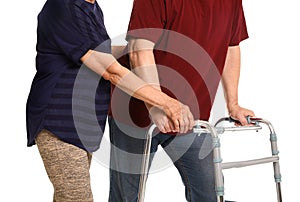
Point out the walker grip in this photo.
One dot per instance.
(250, 120)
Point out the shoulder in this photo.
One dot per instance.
(60, 9)
(61, 6)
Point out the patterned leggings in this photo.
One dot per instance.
(67, 167)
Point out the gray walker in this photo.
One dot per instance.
(215, 131)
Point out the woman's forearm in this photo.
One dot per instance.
(107, 66)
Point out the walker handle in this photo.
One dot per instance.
(250, 120)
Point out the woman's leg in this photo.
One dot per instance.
(67, 167)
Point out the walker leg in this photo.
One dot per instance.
(278, 187)
(220, 198)
(275, 152)
(219, 182)
(277, 177)
(217, 160)
(145, 164)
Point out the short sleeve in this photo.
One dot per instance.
(239, 28)
(72, 30)
(147, 20)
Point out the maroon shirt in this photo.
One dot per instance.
(191, 42)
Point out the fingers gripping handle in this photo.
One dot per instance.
(250, 120)
(205, 127)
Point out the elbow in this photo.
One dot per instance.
(133, 58)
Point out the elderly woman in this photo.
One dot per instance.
(70, 94)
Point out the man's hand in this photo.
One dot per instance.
(240, 114)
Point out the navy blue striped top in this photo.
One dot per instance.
(66, 97)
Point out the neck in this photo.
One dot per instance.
(90, 1)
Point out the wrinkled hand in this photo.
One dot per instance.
(160, 119)
(180, 119)
(240, 114)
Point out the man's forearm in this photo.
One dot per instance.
(231, 75)
(143, 65)
(230, 81)
(117, 51)
(143, 62)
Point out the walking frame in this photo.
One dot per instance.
(215, 131)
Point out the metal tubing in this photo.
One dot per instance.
(219, 183)
(279, 196)
(221, 130)
(145, 164)
(273, 139)
(275, 152)
(220, 198)
(240, 164)
(238, 128)
(205, 127)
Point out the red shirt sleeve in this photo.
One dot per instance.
(147, 20)
(239, 28)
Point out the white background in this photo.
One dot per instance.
(269, 85)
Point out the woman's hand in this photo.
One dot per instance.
(176, 118)
(180, 115)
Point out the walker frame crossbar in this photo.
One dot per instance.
(215, 131)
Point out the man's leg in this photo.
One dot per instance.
(192, 156)
(127, 147)
(67, 167)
